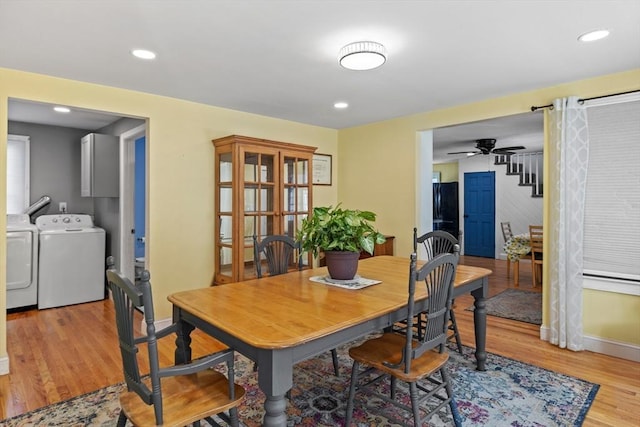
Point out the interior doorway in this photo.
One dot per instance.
(133, 211)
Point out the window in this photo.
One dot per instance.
(17, 173)
(612, 206)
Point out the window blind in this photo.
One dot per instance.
(612, 205)
(17, 173)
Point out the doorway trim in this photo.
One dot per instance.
(127, 170)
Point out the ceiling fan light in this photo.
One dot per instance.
(592, 36)
(143, 54)
(362, 56)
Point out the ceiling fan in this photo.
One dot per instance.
(486, 146)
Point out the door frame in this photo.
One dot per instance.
(127, 170)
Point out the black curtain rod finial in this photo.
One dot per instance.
(534, 108)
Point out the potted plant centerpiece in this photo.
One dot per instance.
(342, 234)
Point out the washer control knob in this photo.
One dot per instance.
(66, 220)
(77, 219)
(54, 220)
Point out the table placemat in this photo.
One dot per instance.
(356, 283)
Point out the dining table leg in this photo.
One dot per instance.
(182, 353)
(480, 326)
(275, 378)
(516, 273)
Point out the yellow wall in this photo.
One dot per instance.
(448, 171)
(378, 169)
(180, 173)
(612, 316)
(374, 169)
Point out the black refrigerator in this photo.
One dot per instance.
(445, 207)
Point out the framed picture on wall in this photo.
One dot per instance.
(322, 169)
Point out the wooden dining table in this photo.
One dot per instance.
(281, 320)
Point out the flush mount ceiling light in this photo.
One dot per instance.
(59, 109)
(143, 54)
(592, 36)
(362, 56)
(340, 105)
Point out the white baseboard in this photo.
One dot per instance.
(612, 348)
(160, 324)
(4, 365)
(544, 333)
(603, 346)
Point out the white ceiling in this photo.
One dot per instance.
(278, 58)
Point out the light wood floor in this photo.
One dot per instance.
(59, 353)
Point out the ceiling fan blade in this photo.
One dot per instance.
(503, 150)
(465, 152)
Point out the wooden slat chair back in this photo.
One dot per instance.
(419, 362)
(506, 230)
(536, 242)
(279, 252)
(160, 398)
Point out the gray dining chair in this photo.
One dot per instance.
(280, 253)
(419, 362)
(169, 396)
(435, 243)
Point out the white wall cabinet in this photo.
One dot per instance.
(99, 170)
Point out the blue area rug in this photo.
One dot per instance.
(508, 393)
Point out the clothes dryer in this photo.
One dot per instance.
(72, 260)
(22, 261)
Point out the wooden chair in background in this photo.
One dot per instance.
(535, 237)
(507, 234)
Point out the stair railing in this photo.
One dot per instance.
(529, 168)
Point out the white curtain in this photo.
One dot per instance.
(568, 160)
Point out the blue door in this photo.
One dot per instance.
(479, 214)
(139, 189)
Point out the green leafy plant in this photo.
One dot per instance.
(337, 229)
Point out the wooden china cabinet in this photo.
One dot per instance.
(262, 187)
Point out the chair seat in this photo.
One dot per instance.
(388, 348)
(185, 399)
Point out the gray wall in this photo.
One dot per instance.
(107, 209)
(55, 165)
(121, 126)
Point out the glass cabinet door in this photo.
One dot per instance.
(224, 218)
(259, 204)
(296, 189)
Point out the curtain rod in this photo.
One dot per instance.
(534, 108)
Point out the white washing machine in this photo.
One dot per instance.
(22, 261)
(71, 260)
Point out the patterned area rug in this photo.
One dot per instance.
(524, 306)
(508, 393)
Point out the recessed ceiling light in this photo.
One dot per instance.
(143, 54)
(362, 56)
(61, 109)
(340, 105)
(593, 35)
